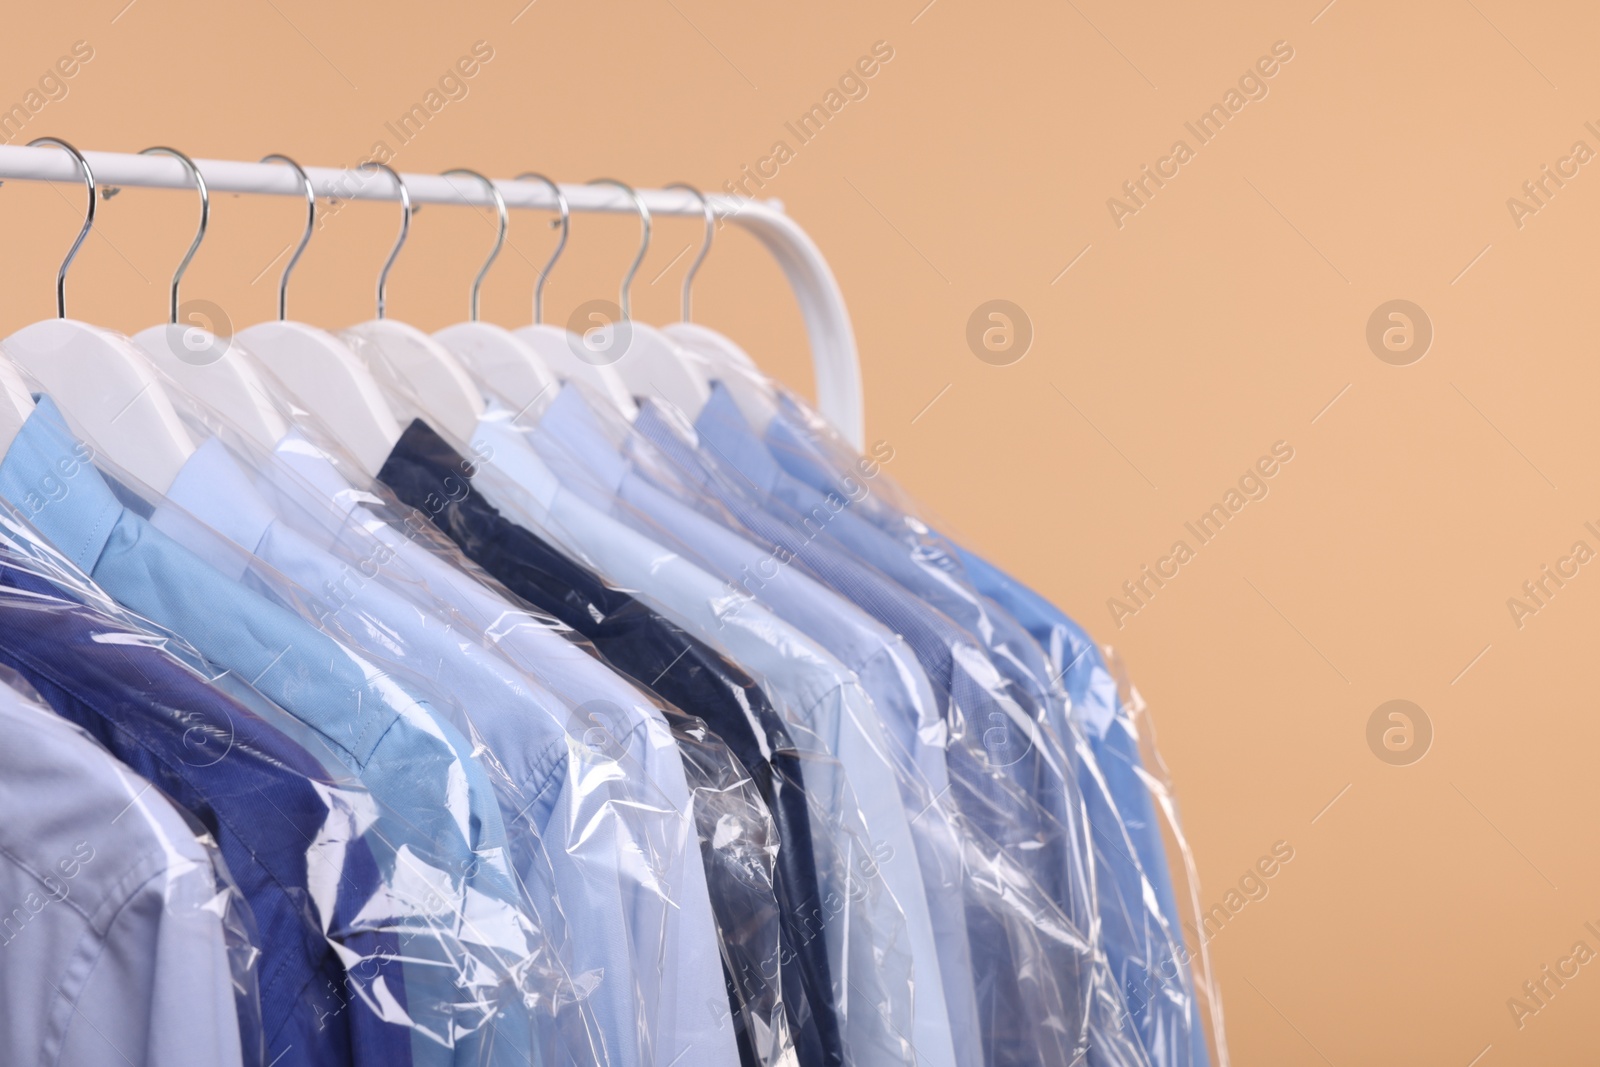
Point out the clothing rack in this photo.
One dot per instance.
(833, 347)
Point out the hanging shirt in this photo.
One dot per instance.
(644, 932)
(686, 673)
(426, 472)
(1115, 745)
(439, 829)
(1139, 914)
(112, 947)
(282, 826)
(734, 826)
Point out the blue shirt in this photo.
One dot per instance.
(439, 831)
(1116, 754)
(1142, 946)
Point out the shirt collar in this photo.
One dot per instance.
(319, 473)
(570, 423)
(504, 449)
(213, 490)
(787, 439)
(49, 475)
(723, 427)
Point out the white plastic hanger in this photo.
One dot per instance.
(726, 361)
(320, 370)
(100, 379)
(648, 361)
(501, 359)
(557, 349)
(211, 367)
(435, 380)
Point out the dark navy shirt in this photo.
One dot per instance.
(427, 474)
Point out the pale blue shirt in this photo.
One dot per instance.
(112, 947)
(1135, 887)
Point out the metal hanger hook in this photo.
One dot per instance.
(305, 238)
(566, 225)
(644, 240)
(88, 219)
(405, 230)
(205, 217)
(500, 237)
(705, 246)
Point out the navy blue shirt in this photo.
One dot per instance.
(426, 473)
(256, 791)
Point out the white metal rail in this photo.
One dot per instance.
(833, 347)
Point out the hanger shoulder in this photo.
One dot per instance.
(99, 379)
(504, 362)
(217, 372)
(442, 389)
(655, 367)
(559, 350)
(326, 378)
(717, 348)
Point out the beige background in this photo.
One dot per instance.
(1227, 314)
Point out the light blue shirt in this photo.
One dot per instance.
(439, 832)
(624, 813)
(524, 728)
